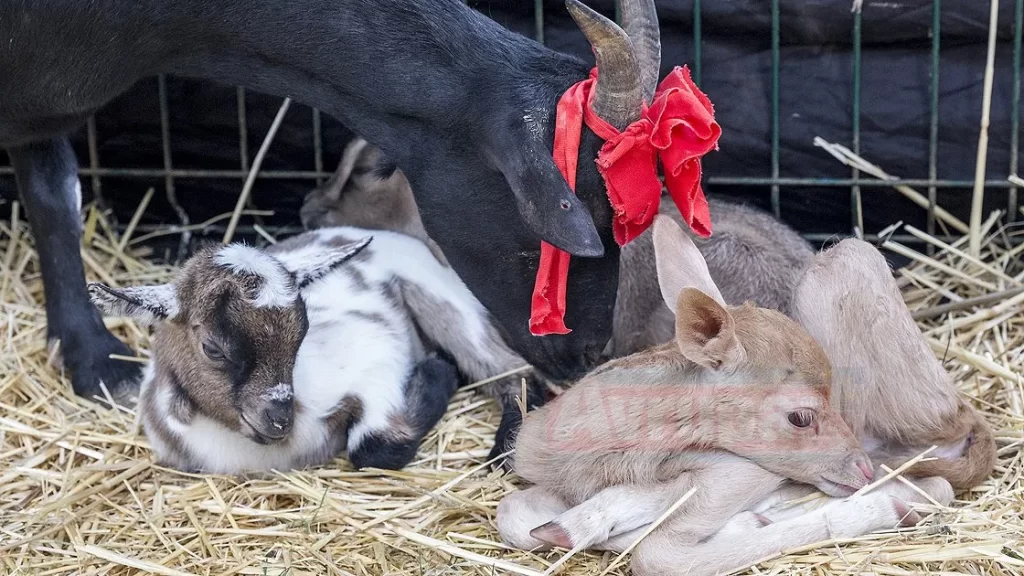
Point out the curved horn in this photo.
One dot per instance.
(619, 92)
(640, 20)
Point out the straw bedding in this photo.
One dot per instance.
(80, 494)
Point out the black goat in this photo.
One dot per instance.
(465, 108)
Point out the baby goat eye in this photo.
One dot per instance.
(801, 418)
(212, 351)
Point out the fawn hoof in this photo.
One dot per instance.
(553, 534)
(908, 517)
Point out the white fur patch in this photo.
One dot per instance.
(78, 195)
(147, 305)
(952, 451)
(278, 289)
(280, 393)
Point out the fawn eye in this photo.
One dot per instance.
(212, 351)
(801, 418)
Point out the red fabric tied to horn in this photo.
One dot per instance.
(677, 129)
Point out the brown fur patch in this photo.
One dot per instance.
(347, 413)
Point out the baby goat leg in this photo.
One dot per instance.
(450, 316)
(429, 389)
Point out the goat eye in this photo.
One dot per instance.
(801, 418)
(212, 351)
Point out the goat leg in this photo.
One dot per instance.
(47, 178)
(449, 316)
(429, 389)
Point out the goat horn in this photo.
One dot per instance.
(640, 20)
(619, 93)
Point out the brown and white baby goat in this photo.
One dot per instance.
(283, 358)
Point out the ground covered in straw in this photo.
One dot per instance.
(80, 494)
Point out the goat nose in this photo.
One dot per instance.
(279, 416)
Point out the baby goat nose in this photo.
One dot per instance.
(279, 416)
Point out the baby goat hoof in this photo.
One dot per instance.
(553, 534)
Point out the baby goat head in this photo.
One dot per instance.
(227, 332)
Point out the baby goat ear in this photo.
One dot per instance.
(679, 263)
(146, 304)
(318, 264)
(706, 332)
(353, 152)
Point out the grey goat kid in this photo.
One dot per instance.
(751, 257)
(363, 194)
(283, 358)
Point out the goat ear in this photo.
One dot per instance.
(679, 263)
(146, 304)
(349, 158)
(706, 332)
(317, 264)
(546, 203)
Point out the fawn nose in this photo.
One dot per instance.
(865, 468)
(278, 415)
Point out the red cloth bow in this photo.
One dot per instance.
(678, 128)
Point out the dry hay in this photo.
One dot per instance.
(79, 493)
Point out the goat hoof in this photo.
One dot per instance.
(553, 534)
(499, 462)
(908, 517)
(90, 365)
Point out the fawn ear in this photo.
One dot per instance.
(679, 263)
(706, 331)
(314, 265)
(146, 304)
